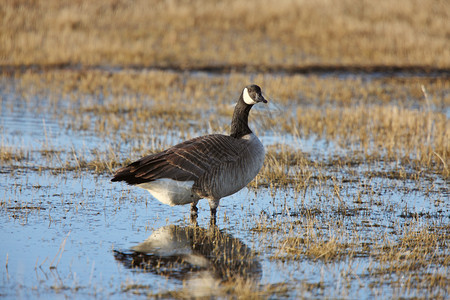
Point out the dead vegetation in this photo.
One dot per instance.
(228, 33)
(391, 120)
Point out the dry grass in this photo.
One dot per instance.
(10, 154)
(412, 136)
(201, 33)
(285, 166)
(326, 250)
(401, 120)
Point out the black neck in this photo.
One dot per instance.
(239, 124)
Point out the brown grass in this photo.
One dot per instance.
(10, 154)
(383, 119)
(410, 135)
(199, 33)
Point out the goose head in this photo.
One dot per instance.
(252, 94)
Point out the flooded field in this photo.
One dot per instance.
(352, 201)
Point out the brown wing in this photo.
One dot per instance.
(186, 161)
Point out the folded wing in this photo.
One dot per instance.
(183, 162)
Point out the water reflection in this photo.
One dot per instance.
(191, 254)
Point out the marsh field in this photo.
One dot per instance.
(352, 201)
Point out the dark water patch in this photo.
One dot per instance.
(26, 207)
(322, 70)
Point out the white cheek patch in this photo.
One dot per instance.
(247, 98)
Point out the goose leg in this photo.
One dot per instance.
(213, 216)
(194, 213)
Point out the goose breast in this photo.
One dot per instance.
(231, 176)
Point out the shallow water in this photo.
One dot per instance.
(74, 233)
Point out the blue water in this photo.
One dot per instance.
(60, 230)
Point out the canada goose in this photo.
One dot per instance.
(211, 166)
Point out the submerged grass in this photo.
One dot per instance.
(412, 257)
(414, 248)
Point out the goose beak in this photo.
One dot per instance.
(260, 98)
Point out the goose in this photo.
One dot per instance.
(207, 167)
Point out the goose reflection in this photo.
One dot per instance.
(191, 253)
